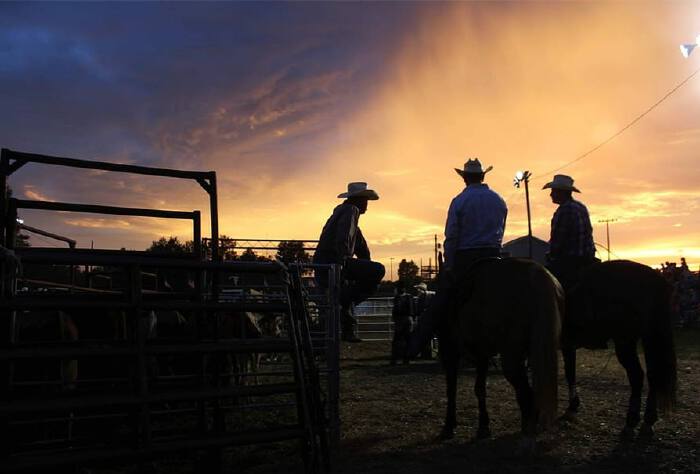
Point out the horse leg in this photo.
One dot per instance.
(569, 354)
(650, 413)
(451, 365)
(482, 368)
(626, 353)
(515, 373)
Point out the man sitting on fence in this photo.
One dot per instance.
(340, 240)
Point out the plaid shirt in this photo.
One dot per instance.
(572, 233)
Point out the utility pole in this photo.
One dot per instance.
(391, 268)
(607, 233)
(437, 246)
(524, 177)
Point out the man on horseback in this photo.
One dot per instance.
(475, 224)
(340, 239)
(571, 247)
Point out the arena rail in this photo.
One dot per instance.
(140, 409)
(141, 392)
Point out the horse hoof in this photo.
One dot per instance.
(646, 431)
(483, 433)
(446, 433)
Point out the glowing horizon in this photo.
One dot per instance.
(397, 97)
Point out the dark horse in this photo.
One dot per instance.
(510, 307)
(626, 302)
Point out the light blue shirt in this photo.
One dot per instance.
(476, 219)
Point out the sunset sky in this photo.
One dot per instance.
(288, 102)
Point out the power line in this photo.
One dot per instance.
(623, 129)
(615, 135)
(606, 249)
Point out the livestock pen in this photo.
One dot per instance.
(135, 373)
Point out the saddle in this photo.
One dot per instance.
(460, 284)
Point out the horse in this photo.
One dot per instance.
(512, 307)
(627, 302)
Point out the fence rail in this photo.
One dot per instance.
(135, 393)
(127, 373)
(374, 321)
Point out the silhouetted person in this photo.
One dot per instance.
(402, 313)
(340, 240)
(423, 299)
(475, 224)
(571, 246)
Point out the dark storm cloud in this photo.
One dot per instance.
(159, 83)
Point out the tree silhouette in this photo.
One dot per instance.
(291, 251)
(408, 273)
(250, 256)
(171, 245)
(228, 247)
(171, 278)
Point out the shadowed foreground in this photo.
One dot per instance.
(391, 416)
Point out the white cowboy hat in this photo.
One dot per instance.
(473, 167)
(561, 181)
(359, 189)
(421, 286)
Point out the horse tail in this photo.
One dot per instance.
(660, 352)
(544, 343)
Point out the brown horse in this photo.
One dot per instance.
(626, 302)
(510, 307)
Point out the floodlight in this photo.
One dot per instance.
(686, 49)
(519, 175)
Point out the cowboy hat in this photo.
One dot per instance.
(421, 286)
(561, 181)
(359, 189)
(473, 167)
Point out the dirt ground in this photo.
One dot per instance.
(392, 414)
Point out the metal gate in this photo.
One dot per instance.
(129, 373)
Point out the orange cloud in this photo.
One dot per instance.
(99, 223)
(32, 193)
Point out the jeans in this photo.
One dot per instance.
(430, 318)
(360, 280)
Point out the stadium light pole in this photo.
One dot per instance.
(524, 177)
(688, 48)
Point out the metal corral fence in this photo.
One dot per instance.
(224, 356)
(374, 321)
(128, 374)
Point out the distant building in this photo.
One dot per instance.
(519, 248)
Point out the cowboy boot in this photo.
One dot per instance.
(349, 325)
